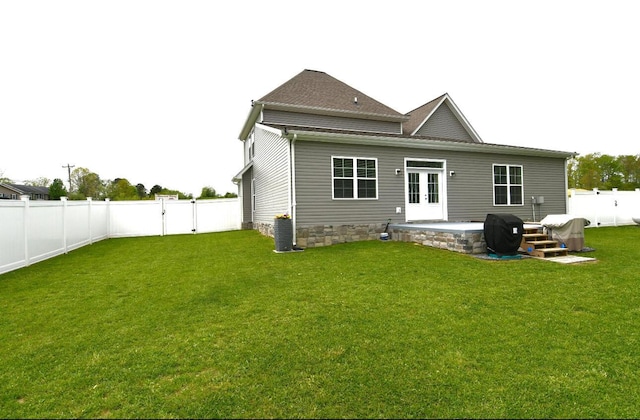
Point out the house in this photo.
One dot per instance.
(343, 164)
(15, 191)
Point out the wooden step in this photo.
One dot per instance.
(543, 243)
(534, 236)
(549, 252)
(531, 229)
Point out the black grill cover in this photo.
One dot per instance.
(503, 234)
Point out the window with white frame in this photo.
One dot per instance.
(252, 147)
(508, 187)
(355, 178)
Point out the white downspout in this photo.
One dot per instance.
(292, 186)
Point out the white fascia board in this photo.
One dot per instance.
(429, 116)
(462, 118)
(12, 188)
(252, 117)
(270, 129)
(238, 176)
(456, 111)
(426, 144)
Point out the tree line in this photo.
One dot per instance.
(85, 183)
(604, 172)
(594, 170)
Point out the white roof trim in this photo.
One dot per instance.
(238, 176)
(254, 113)
(12, 188)
(457, 113)
(435, 108)
(417, 143)
(269, 129)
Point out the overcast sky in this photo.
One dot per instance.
(157, 91)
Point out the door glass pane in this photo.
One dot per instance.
(433, 188)
(414, 188)
(424, 164)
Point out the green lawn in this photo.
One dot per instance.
(218, 325)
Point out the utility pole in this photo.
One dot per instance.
(69, 169)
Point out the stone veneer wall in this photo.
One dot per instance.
(265, 228)
(466, 242)
(323, 235)
(470, 242)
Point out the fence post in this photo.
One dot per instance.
(595, 193)
(194, 215)
(89, 210)
(64, 223)
(108, 221)
(162, 210)
(25, 225)
(615, 205)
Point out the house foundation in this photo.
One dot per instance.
(323, 235)
(466, 238)
(463, 241)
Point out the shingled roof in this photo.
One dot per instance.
(418, 115)
(26, 189)
(316, 90)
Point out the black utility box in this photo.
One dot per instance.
(503, 234)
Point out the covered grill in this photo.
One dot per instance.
(503, 234)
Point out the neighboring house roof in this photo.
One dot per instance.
(26, 189)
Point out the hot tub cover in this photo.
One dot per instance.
(566, 229)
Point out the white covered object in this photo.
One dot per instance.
(566, 229)
(556, 220)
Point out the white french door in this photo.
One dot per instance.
(425, 199)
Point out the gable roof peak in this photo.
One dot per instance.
(318, 92)
(433, 103)
(419, 116)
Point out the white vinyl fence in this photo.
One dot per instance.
(32, 231)
(605, 208)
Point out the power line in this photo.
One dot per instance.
(69, 169)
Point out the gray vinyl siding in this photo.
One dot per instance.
(324, 121)
(314, 203)
(444, 124)
(247, 215)
(271, 174)
(471, 189)
(469, 193)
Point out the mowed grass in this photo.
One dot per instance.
(218, 325)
